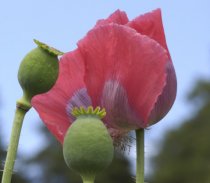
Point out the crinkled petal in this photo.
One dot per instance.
(52, 105)
(167, 98)
(150, 24)
(118, 53)
(118, 17)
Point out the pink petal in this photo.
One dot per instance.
(167, 98)
(118, 17)
(118, 53)
(52, 105)
(150, 24)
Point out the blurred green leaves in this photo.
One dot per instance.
(185, 153)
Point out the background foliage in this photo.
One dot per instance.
(185, 153)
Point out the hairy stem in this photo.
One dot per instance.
(140, 156)
(13, 145)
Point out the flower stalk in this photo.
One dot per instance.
(88, 180)
(140, 156)
(20, 112)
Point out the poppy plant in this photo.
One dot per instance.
(120, 65)
(37, 73)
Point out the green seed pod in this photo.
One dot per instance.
(88, 147)
(38, 70)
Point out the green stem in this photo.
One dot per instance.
(88, 179)
(140, 156)
(14, 140)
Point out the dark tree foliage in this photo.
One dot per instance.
(49, 166)
(185, 154)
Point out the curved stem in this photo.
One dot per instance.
(140, 156)
(13, 145)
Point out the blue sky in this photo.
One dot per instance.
(62, 23)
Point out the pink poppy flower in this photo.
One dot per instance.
(120, 65)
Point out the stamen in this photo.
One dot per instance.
(98, 112)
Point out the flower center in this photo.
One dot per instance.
(90, 111)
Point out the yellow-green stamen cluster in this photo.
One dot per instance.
(50, 49)
(98, 112)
